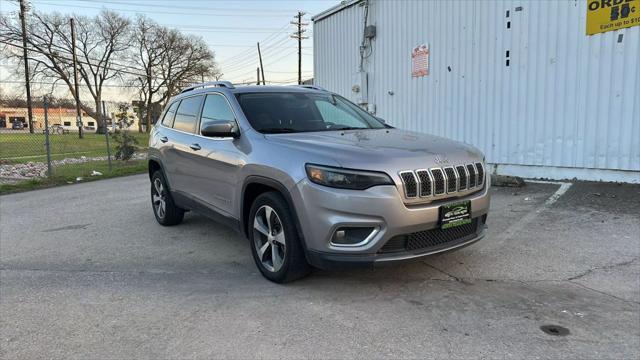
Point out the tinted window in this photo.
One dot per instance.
(187, 114)
(216, 108)
(170, 114)
(301, 112)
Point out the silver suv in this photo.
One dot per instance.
(312, 179)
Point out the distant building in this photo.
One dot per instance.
(59, 116)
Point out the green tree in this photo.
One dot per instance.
(126, 144)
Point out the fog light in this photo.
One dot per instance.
(352, 236)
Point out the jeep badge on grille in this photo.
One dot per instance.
(441, 159)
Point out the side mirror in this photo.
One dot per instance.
(224, 128)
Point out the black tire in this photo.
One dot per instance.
(171, 215)
(293, 265)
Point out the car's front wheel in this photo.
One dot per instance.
(275, 243)
(164, 208)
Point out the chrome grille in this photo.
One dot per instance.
(462, 177)
(425, 182)
(452, 180)
(480, 171)
(410, 184)
(436, 182)
(472, 175)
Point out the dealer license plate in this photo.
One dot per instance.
(456, 214)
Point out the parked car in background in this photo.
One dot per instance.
(311, 179)
(17, 125)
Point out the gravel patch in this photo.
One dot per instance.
(12, 173)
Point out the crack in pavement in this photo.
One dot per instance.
(68, 227)
(452, 278)
(602, 292)
(606, 267)
(467, 281)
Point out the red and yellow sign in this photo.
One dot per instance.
(609, 15)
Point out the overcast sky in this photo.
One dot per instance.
(231, 28)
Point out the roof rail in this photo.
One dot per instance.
(314, 87)
(226, 84)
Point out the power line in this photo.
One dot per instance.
(176, 6)
(79, 61)
(269, 63)
(247, 46)
(204, 27)
(265, 40)
(147, 11)
(64, 85)
(290, 72)
(128, 66)
(249, 59)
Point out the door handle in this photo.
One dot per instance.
(195, 147)
(164, 139)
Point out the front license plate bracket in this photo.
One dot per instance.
(455, 214)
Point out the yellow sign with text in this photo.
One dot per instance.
(609, 15)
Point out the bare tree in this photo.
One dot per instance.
(100, 41)
(170, 60)
(148, 53)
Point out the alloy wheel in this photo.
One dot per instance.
(159, 198)
(269, 238)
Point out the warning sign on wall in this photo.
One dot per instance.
(608, 15)
(420, 61)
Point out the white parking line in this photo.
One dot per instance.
(516, 227)
(564, 186)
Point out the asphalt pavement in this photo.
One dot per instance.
(86, 272)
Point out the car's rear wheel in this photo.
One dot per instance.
(275, 243)
(164, 208)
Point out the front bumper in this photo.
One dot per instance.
(322, 210)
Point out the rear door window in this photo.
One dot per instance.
(187, 114)
(167, 120)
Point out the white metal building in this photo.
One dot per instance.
(520, 80)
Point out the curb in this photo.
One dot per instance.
(507, 181)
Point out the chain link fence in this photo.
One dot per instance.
(50, 148)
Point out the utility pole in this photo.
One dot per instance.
(75, 79)
(149, 99)
(258, 73)
(23, 20)
(47, 143)
(261, 67)
(106, 133)
(298, 35)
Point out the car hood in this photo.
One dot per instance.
(385, 150)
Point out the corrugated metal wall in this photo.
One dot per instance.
(340, 42)
(566, 100)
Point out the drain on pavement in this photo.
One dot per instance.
(554, 330)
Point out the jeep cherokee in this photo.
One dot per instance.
(312, 179)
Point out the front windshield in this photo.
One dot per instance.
(282, 112)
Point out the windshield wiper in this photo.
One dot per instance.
(277, 130)
(348, 128)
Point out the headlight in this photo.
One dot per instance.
(345, 178)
